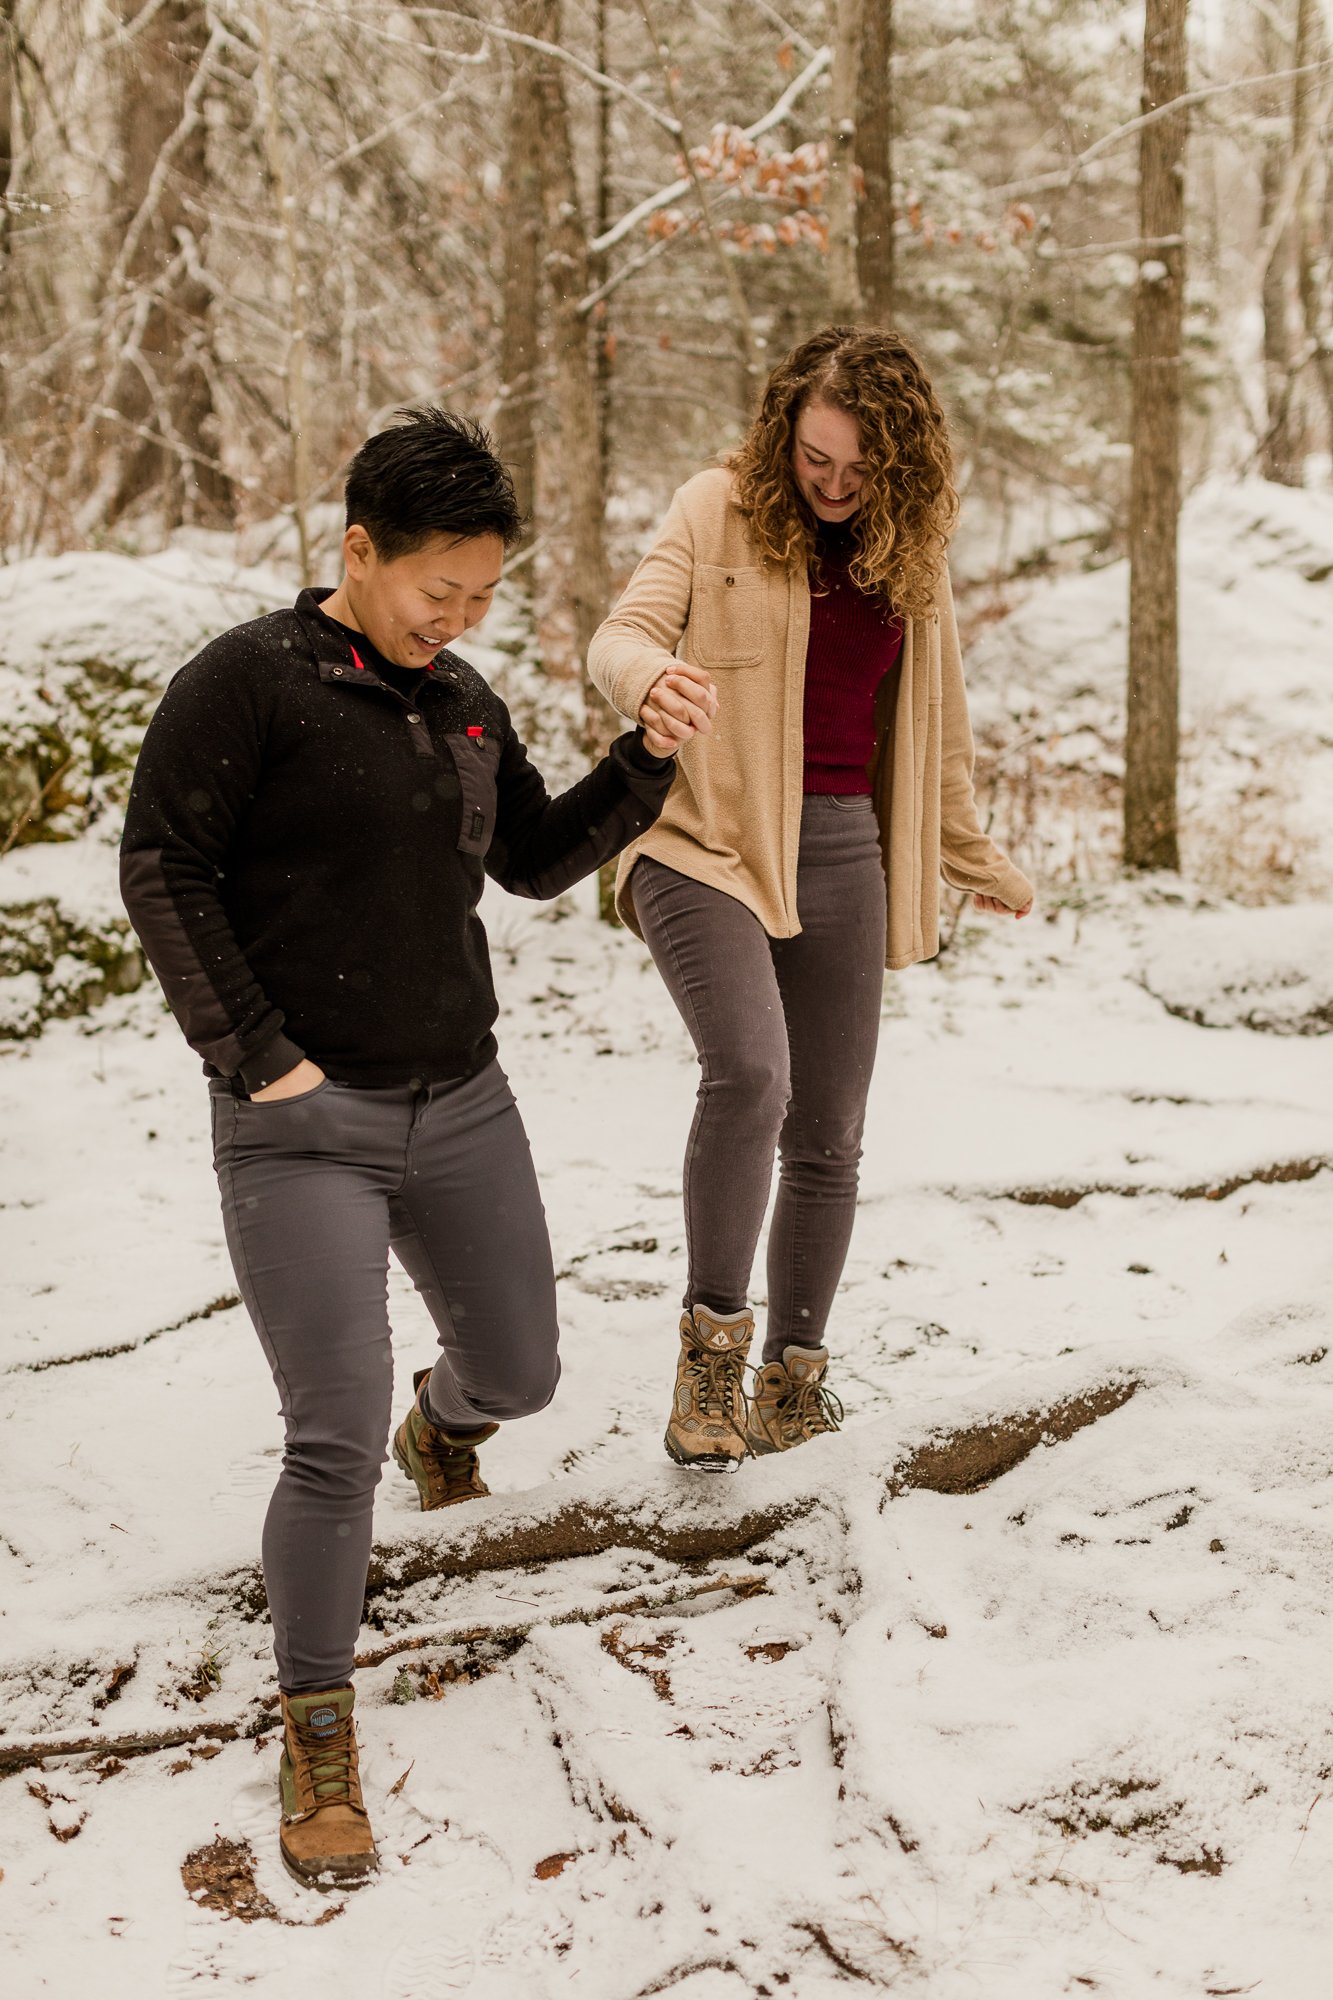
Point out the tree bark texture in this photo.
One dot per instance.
(1152, 732)
(845, 18)
(875, 248)
(1280, 453)
(164, 382)
(567, 281)
(1312, 247)
(521, 248)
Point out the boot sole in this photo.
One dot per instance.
(332, 1877)
(704, 1461)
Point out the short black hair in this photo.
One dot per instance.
(431, 473)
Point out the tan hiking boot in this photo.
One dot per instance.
(790, 1403)
(707, 1427)
(442, 1465)
(325, 1836)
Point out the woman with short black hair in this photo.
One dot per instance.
(319, 798)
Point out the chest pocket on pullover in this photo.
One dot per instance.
(477, 760)
(727, 615)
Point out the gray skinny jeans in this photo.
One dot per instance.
(316, 1191)
(785, 1030)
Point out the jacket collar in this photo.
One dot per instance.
(335, 657)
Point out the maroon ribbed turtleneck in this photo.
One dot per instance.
(853, 643)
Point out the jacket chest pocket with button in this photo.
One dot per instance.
(477, 761)
(727, 606)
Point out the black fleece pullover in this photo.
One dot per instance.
(306, 845)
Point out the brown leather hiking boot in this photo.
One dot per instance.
(790, 1402)
(707, 1426)
(442, 1465)
(325, 1835)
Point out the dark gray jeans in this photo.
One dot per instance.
(785, 1030)
(316, 1191)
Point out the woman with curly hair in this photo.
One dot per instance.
(803, 841)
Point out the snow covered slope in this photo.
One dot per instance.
(1017, 1686)
(1066, 1728)
(1256, 629)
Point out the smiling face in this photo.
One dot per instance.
(826, 460)
(413, 605)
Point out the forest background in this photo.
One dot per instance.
(1018, 1684)
(234, 238)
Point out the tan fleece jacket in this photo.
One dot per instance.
(733, 816)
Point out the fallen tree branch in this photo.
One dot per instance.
(22, 1756)
(684, 1527)
(671, 1523)
(751, 1584)
(262, 1717)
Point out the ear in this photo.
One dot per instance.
(358, 553)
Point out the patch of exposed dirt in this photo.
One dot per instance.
(221, 1877)
(966, 1461)
(219, 1305)
(553, 1865)
(1070, 1197)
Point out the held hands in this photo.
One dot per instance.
(997, 908)
(304, 1077)
(681, 703)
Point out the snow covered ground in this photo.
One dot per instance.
(1064, 1733)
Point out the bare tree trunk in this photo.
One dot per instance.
(164, 385)
(598, 266)
(1152, 722)
(875, 247)
(294, 373)
(1280, 453)
(1311, 44)
(8, 38)
(521, 277)
(567, 278)
(844, 285)
(7, 41)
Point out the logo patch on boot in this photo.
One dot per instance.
(322, 1718)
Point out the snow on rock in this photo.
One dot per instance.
(1271, 970)
(145, 614)
(87, 643)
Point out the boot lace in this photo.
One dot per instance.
(455, 1466)
(810, 1408)
(331, 1763)
(718, 1379)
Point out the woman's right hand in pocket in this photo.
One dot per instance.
(680, 703)
(306, 1076)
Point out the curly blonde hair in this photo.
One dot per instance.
(909, 504)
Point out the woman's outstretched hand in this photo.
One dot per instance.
(997, 908)
(681, 703)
